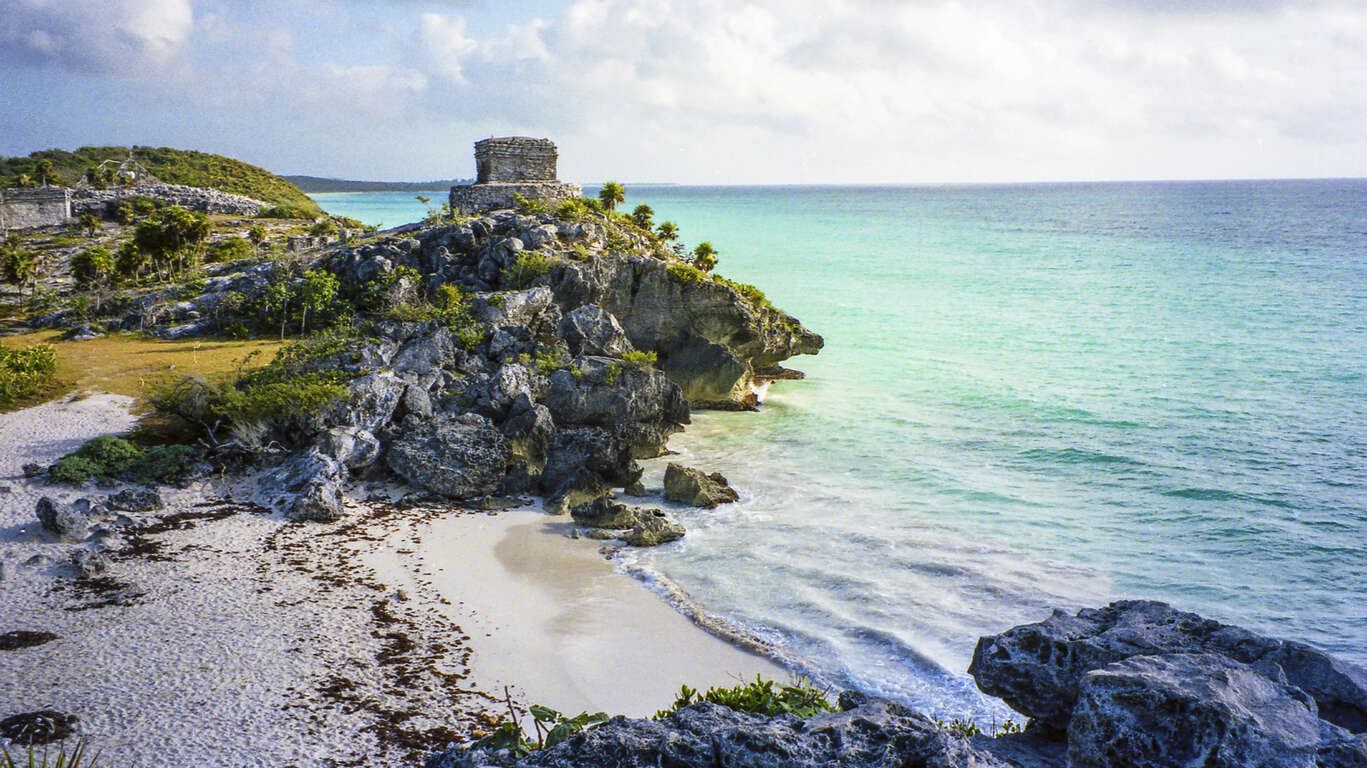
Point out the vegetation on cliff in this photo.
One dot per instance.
(173, 166)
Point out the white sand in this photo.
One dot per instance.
(261, 642)
(549, 618)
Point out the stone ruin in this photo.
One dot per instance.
(30, 208)
(509, 167)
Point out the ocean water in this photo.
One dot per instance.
(1033, 397)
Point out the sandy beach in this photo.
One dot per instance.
(223, 634)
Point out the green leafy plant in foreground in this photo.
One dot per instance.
(762, 697)
(77, 758)
(529, 266)
(550, 726)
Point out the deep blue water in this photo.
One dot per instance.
(1033, 396)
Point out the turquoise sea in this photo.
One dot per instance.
(1031, 396)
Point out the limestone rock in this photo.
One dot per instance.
(69, 521)
(652, 530)
(1037, 669)
(690, 486)
(352, 447)
(456, 457)
(603, 512)
(309, 485)
(89, 563)
(369, 404)
(591, 330)
(1190, 709)
(41, 727)
(135, 500)
(605, 393)
(584, 463)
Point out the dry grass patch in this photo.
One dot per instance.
(125, 364)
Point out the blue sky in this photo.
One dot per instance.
(705, 91)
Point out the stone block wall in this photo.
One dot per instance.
(478, 198)
(27, 208)
(514, 159)
(101, 202)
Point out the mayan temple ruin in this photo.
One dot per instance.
(508, 168)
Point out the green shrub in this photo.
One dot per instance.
(685, 273)
(762, 697)
(547, 359)
(286, 212)
(529, 266)
(231, 249)
(453, 308)
(73, 470)
(639, 360)
(111, 454)
(78, 757)
(25, 372)
(529, 207)
(165, 463)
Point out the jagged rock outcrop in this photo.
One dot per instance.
(690, 486)
(870, 732)
(459, 457)
(1038, 669)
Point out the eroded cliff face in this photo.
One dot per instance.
(719, 341)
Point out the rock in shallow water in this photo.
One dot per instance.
(690, 486)
(1038, 669)
(42, 727)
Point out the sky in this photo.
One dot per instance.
(705, 91)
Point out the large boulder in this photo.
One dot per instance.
(308, 487)
(604, 392)
(1038, 669)
(460, 457)
(1190, 709)
(584, 463)
(690, 486)
(592, 330)
(652, 530)
(70, 522)
(369, 404)
(603, 512)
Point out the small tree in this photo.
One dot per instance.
(705, 256)
(668, 231)
(44, 169)
(323, 228)
(89, 222)
(317, 294)
(275, 302)
(257, 234)
(641, 216)
(25, 180)
(129, 261)
(611, 194)
(124, 213)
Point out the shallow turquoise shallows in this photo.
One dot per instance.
(1033, 396)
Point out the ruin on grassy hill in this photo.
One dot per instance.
(30, 208)
(511, 167)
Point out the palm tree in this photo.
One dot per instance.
(669, 231)
(25, 180)
(641, 216)
(44, 169)
(705, 257)
(19, 268)
(611, 194)
(257, 234)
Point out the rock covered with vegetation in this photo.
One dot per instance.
(520, 352)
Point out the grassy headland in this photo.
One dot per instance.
(173, 166)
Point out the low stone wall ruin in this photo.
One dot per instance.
(29, 208)
(478, 198)
(102, 202)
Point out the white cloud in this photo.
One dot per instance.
(127, 36)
